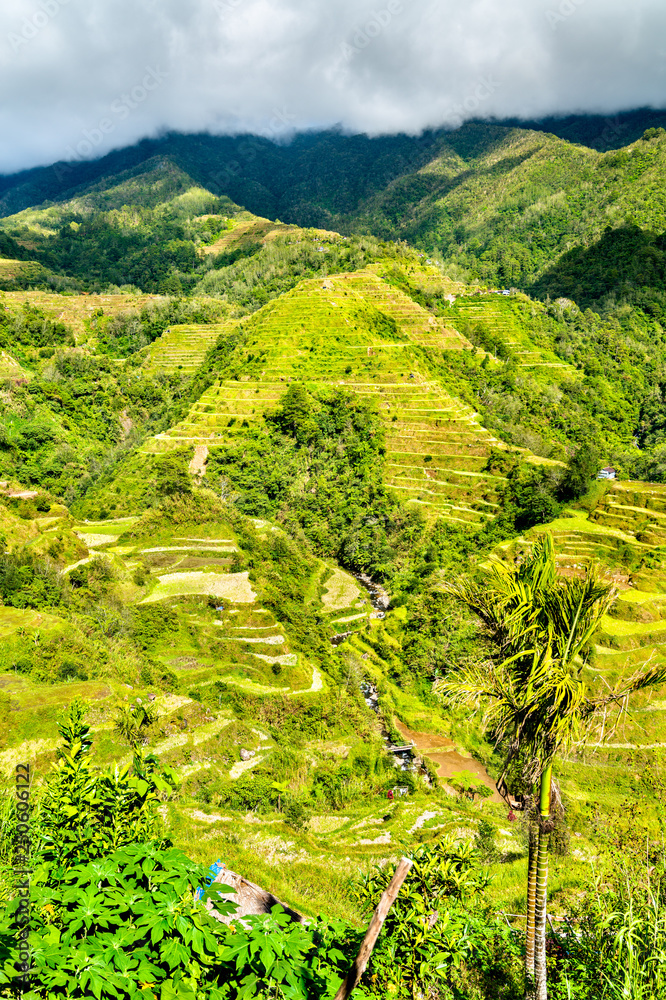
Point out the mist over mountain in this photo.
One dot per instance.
(271, 178)
(80, 80)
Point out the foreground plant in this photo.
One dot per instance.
(616, 945)
(84, 812)
(128, 926)
(439, 932)
(534, 698)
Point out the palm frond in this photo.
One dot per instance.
(539, 623)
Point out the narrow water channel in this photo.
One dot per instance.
(439, 750)
(379, 599)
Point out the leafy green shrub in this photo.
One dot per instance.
(84, 813)
(249, 792)
(151, 622)
(485, 842)
(581, 469)
(133, 721)
(130, 926)
(439, 931)
(29, 582)
(296, 814)
(172, 477)
(94, 575)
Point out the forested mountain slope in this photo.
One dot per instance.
(500, 203)
(241, 463)
(278, 179)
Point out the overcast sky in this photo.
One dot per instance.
(80, 77)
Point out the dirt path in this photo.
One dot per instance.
(443, 754)
(197, 466)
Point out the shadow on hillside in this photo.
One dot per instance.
(622, 262)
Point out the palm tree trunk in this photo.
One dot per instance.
(541, 902)
(531, 901)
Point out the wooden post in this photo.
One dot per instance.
(379, 916)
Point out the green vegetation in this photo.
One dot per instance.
(26, 582)
(127, 332)
(31, 328)
(75, 417)
(241, 464)
(535, 702)
(335, 443)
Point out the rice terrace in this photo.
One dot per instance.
(333, 566)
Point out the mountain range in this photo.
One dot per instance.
(261, 403)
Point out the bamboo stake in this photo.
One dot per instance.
(379, 916)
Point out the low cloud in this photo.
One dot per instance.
(80, 77)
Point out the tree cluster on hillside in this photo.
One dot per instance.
(62, 429)
(30, 327)
(316, 467)
(127, 332)
(255, 279)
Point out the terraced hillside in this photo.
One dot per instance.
(76, 311)
(247, 230)
(421, 326)
(183, 347)
(10, 269)
(201, 615)
(503, 322)
(235, 690)
(357, 331)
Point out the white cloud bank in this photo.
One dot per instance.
(80, 77)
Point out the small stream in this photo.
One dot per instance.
(439, 750)
(404, 758)
(381, 602)
(379, 599)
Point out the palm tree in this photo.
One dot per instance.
(534, 698)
